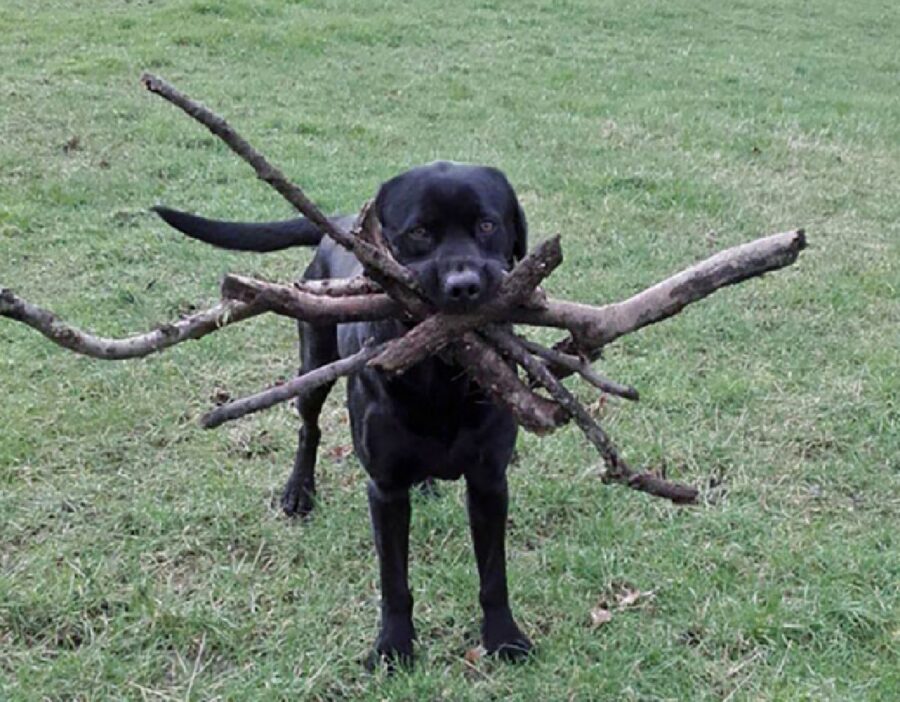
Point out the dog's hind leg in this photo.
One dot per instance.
(318, 346)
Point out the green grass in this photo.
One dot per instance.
(141, 558)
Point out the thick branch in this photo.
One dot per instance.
(293, 388)
(309, 307)
(495, 376)
(164, 336)
(617, 468)
(438, 330)
(593, 327)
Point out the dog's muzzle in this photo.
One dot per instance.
(463, 284)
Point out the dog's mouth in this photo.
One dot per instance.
(459, 306)
(466, 287)
(459, 286)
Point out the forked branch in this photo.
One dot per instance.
(617, 470)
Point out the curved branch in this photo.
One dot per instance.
(164, 336)
(309, 307)
(593, 327)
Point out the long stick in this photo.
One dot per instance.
(383, 268)
(293, 388)
(164, 336)
(593, 327)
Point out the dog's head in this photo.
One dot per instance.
(457, 227)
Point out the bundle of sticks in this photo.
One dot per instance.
(522, 374)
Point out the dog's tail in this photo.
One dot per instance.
(243, 236)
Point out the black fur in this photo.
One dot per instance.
(457, 227)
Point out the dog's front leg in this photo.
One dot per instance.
(390, 511)
(488, 502)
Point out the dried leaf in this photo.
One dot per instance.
(473, 655)
(600, 616)
(597, 408)
(339, 453)
(72, 144)
(629, 597)
(220, 396)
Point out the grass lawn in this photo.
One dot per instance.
(142, 557)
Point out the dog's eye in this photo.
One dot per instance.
(486, 226)
(418, 234)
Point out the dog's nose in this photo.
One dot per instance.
(462, 286)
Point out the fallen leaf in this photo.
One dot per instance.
(629, 597)
(72, 144)
(220, 396)
(597, 407)
(600, 616)
(473, 655)
(339, 453)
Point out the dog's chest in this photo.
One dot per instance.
(429, 422)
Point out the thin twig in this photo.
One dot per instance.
(617, 470)
(573, 364)
(286, 391)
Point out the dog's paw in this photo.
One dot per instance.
(296, 502)
(394, 645)
(503, 638)
(514, 650)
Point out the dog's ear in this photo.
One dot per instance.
(520, 246)
(390, 196)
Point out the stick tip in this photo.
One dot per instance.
(148, 80)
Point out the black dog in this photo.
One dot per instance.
(458, 228)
